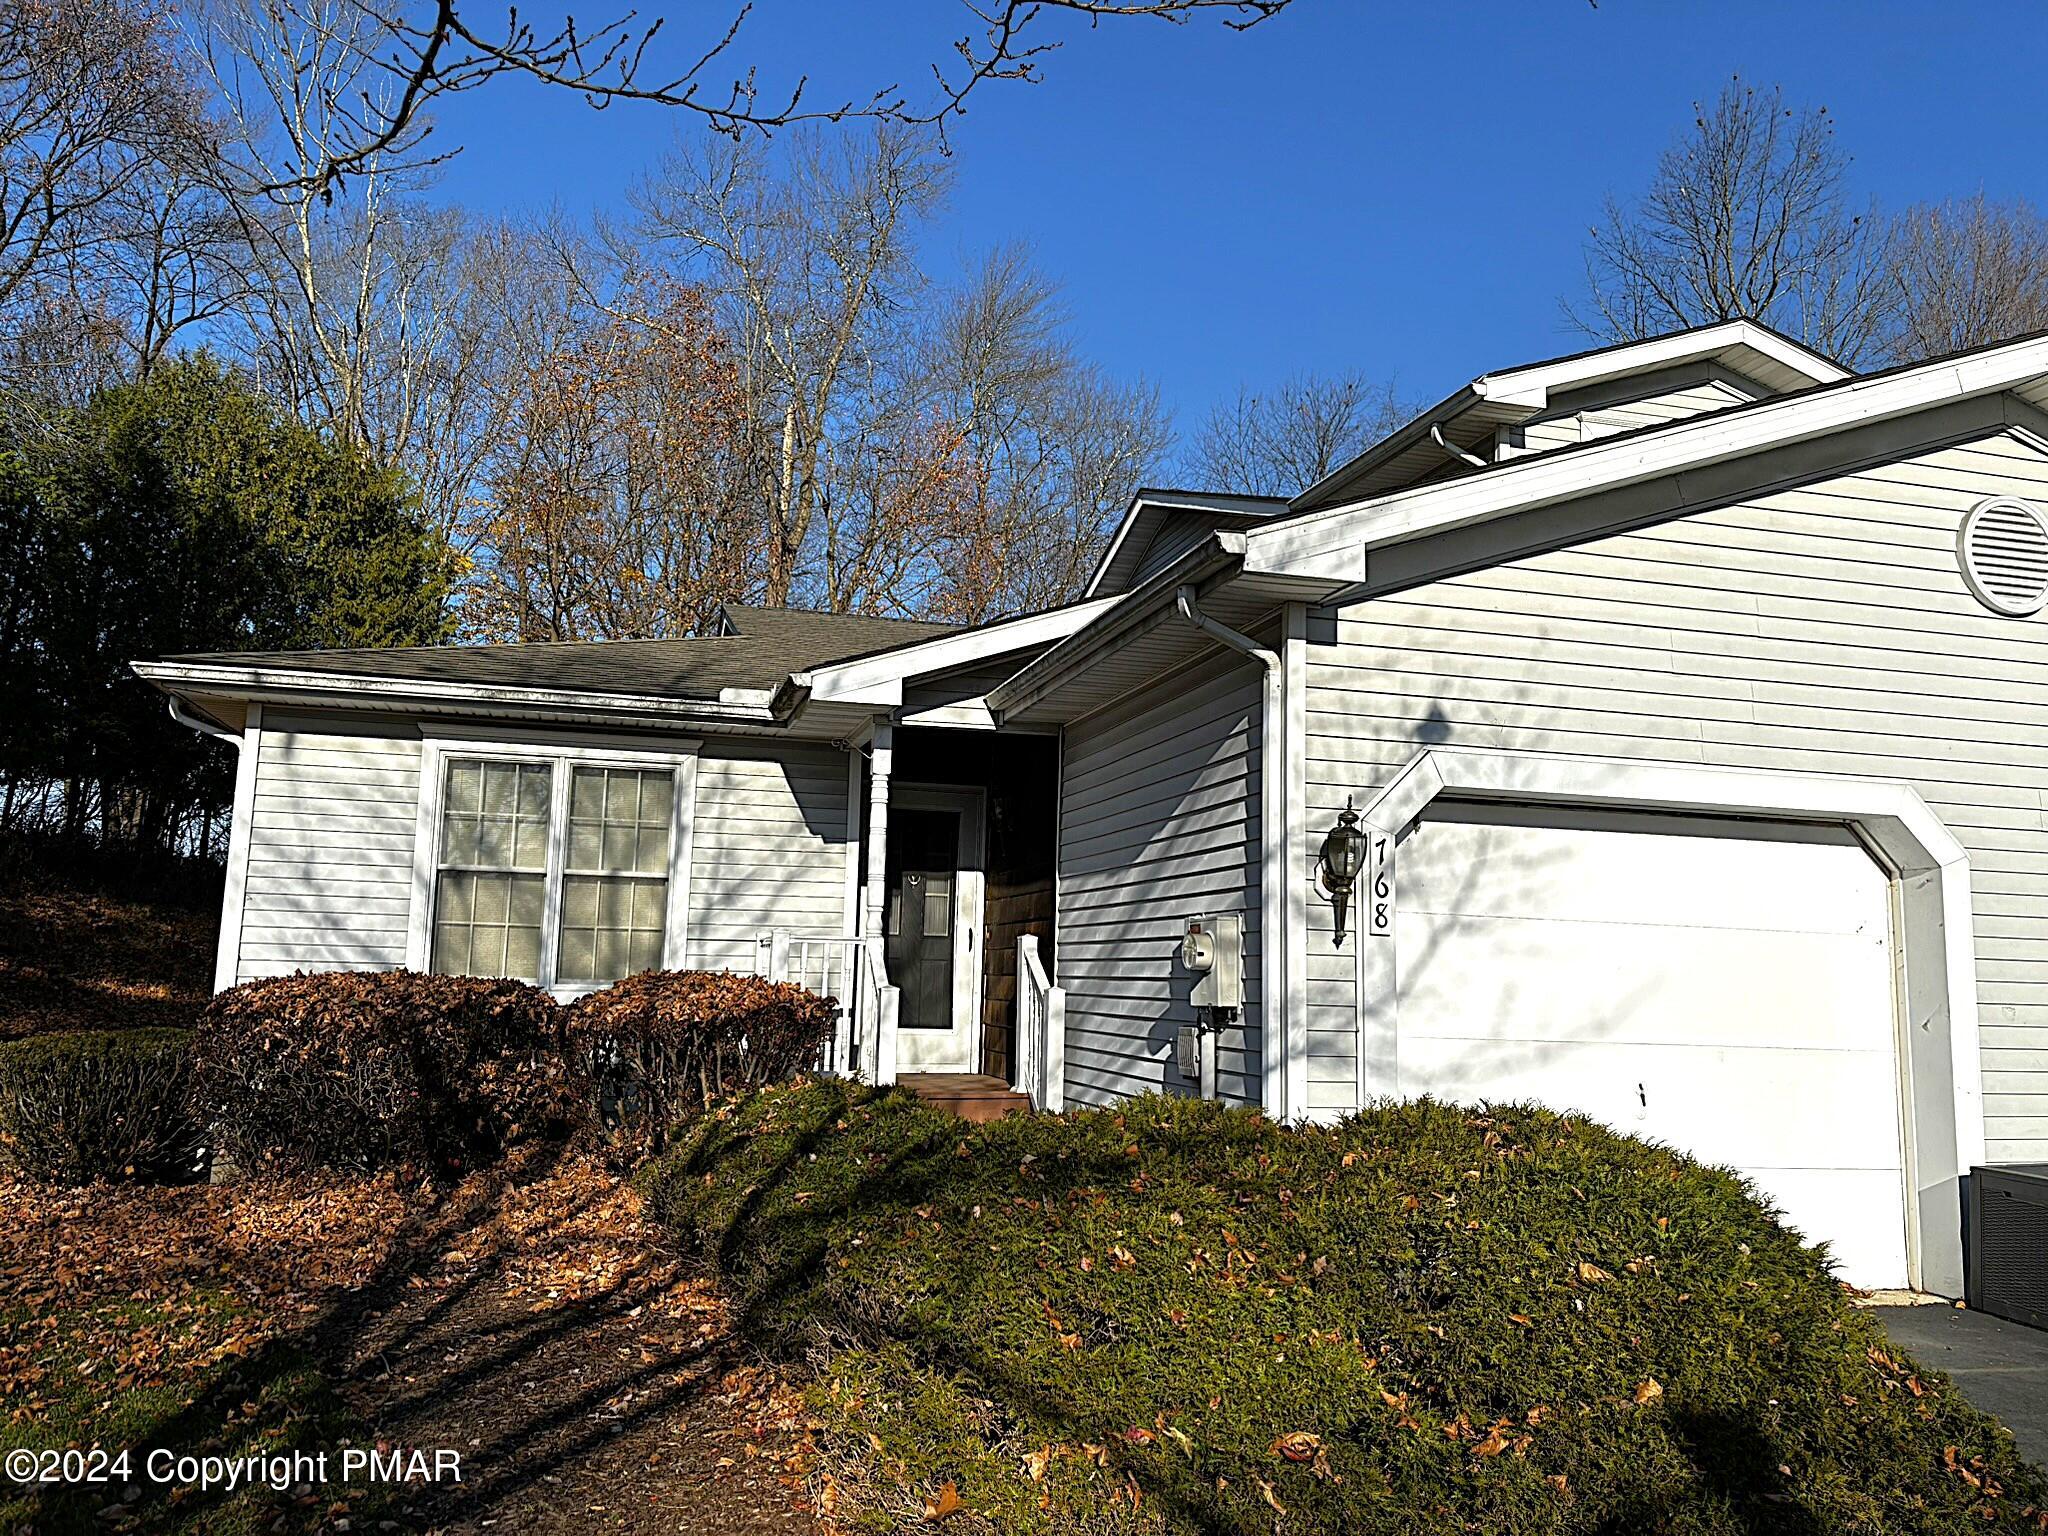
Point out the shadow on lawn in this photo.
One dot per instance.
(791, 1308)
(417, 1356)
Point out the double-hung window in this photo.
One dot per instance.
(555, 869)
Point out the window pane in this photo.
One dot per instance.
(618, 845)
(579, 903)
(453, 907)
(611, 927)
(490, 900)
(579, 955)
(657, 797)
(495, 815)
(451, 949)
(488, 925)
(619, 820)
(465, 788)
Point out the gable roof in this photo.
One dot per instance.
(1511, 395)
(1150, 508)
(1354, 550)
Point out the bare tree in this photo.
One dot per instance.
(1748, 215)
(421, 50)
(1052, 445)
(97, 118)
(1963, 273)
(809, 254)
(619, 503)
(1282, 441)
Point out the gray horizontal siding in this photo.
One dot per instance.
(330, 847)
(768, 848)
(1821, 630)
(1159, 822)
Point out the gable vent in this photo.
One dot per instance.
(2003, 547)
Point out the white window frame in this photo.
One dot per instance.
(562, 758)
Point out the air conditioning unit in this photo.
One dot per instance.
(2008, 1242)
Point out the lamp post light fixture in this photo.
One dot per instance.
(1342, 857)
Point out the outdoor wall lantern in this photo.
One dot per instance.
(1343, 856)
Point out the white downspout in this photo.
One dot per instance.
(228, 954)
(1436, 435)
(204, 727)
(1273, 852)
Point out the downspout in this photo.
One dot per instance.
(204, 727)
(1272, 871)
(227, 959)
(1436, 435)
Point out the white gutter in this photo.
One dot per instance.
(204, 727)
(745, 706)
(1276, 1049)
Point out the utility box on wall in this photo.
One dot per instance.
(1213, 948)
(2007, 1260)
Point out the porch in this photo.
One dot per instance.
(946, 976)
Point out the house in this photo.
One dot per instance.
(1691, 697)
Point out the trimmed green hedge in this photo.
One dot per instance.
(99, 1104)
(1183, 1318)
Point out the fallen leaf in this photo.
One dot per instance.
(945, 1506)
(1649, 1391)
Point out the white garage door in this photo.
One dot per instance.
(1725, 987)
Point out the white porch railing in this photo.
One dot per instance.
(863, 1042)
(1041, 1030)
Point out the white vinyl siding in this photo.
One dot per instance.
(1823, 630)
(330, 847)
(770, 849)
(1587, 426)
(1159, 822)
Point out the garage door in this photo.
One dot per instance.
(1725, 987)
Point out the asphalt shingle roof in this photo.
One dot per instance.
(771, 644)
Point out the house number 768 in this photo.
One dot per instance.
(1379, 894)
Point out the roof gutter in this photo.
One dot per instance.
(733, 706)
(204, 727)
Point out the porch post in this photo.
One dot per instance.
(878, 1045)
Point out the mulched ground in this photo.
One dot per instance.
(526, 1318)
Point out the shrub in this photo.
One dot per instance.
(661, 1044)
(1178, 1317)
(98, 1104)
(353, 1069)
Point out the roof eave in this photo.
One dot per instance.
(739, 706)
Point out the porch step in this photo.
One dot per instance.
(974, 1096)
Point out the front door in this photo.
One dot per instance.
(930, 929)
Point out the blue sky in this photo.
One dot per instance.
(1400, 188)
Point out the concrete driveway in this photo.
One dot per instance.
(2002, 1367)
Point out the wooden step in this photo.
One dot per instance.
(974, 1096)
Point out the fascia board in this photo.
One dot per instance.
(880, 679)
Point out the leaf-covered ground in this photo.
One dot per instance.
(1179, 1318)
(525, 1318)
(79, 953)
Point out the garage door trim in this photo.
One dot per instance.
(1941, 1096)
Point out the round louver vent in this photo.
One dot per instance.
(2003, 547)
